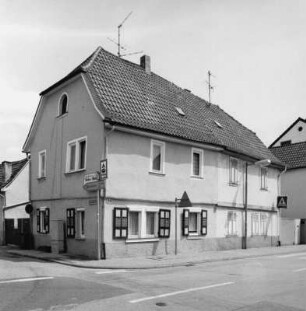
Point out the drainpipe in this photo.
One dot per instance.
(106, 135)
(279, 210)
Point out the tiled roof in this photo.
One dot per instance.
(294, 155)
(129, 96)
(16, 167)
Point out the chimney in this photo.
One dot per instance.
(7, 167)
(145, 63)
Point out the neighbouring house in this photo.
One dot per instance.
(14, 187)
(290, 148)
(159, 141)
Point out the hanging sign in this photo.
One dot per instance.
(282, 201)
(92, 182)
(103, 169)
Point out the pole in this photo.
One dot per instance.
(98, 226)
(175, 248)
(119, 40)
(245, 246)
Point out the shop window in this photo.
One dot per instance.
(43, 220)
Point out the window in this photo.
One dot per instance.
(255, 223)
(133, 230)
(263, 178)
(263, 223)
(231, 223)
(197, 162)
(285, 143)
(233, 167)
(76, 155)
(63, 105)
(43, 220)
(194, 223)
(42, 164)
(80, 228)
(164, 223)
(150, 223)
(70, 224)
(120, 225)
(157, 157)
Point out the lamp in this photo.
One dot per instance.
(261, 163)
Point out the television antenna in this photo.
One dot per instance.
(118, 43)
(210, 86)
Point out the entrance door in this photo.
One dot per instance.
(303, 231)
(17, 232)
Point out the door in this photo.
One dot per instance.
(303, 231)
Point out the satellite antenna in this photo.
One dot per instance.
(120, 47)
(210, 87)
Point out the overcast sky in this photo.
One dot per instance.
(255, 48)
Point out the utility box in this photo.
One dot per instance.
(57, 236)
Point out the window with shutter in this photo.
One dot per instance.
(46, 220)
(38, 219)
(185, 225)
(204, 222)
(164, 223)
(70, 222)
(120, 223)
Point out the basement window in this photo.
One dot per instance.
(180, 111)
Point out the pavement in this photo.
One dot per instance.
(154, 262)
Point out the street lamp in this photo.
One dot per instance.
(261, 163)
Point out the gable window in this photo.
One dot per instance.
(232, 223)
(76, 155)
(157, 157)
(263, 178)
(197, 162)
(233, 171)
(42, 220)
(194, 223)
(42, 164)
(63, 105)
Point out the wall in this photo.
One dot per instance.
(294, 134)
(293, 185)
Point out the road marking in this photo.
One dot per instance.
(27, 280)
(291, 255)
(110, 271)
(299, 270)
(181, 292)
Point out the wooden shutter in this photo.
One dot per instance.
(47, 220)
(70, 222)
(185, 225)
(203, 222)
(38, 219)
(164, 223)
(120, 223)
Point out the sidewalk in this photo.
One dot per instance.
(157, 261)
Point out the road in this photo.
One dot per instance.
(263, 283)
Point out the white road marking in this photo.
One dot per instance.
(110, 271)
(181, 292)
(299, 270)
(291, 255)
(27, 280)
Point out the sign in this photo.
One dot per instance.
(90, 178)
(103, 169)
(282, 201)
(94, 186)
(184, 201)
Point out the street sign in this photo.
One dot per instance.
(90, 178)
(282, 201)
(94, 186)
(103, 169)
(184, 201)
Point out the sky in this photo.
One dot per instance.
(256, 50)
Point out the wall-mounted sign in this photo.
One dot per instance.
(94, 186)
(282, 201)
(90, 178)
(103, 169)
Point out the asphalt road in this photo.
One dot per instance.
(263, 283)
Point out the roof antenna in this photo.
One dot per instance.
(210, 87)
(119, 46)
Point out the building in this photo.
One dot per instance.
(14, 187)
(290, 148)
(159, 141)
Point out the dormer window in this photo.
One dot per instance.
(63, 105)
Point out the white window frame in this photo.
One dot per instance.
(76, 142)
(59, 111)
(231, 223)
(263, 223)
(42, 212)
(263, 178)
(79, 233)
(198, 223)
(233, 176)
(201, 162)
(42, 173)
(134, 236)
(255, 223)
(162, 146)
